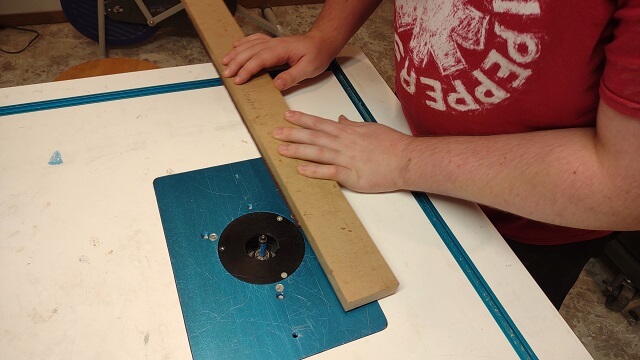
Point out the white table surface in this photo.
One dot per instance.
(84, 267)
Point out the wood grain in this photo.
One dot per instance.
(107, 66)
(353, 264)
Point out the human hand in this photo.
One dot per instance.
(306, 55)
(364, 157)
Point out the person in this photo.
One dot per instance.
(530, 108)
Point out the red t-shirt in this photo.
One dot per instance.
(483, 67)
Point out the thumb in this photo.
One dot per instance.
(287, 79)
(343, 120)
(294, 75)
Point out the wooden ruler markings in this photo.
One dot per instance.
(353, 264)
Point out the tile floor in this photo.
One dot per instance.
(606, 334)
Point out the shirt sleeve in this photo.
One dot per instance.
(620, 83)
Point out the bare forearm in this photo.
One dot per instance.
(557, 176)
(583, 177)
(340, 19)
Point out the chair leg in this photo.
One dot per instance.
(619, 293)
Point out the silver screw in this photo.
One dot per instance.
(284, 275)
(279, 218)
(279, 287)
(213, 237)
(221, 248)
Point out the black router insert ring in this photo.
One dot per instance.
(261, 248)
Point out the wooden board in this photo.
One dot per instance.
(106, 66)
(354, 265)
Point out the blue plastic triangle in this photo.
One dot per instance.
(56, 158)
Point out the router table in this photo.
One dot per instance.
(87, 271)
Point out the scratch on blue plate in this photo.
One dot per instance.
(56, 158)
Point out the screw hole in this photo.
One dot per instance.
(295, 335)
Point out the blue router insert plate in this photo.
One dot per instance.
(292, 318)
